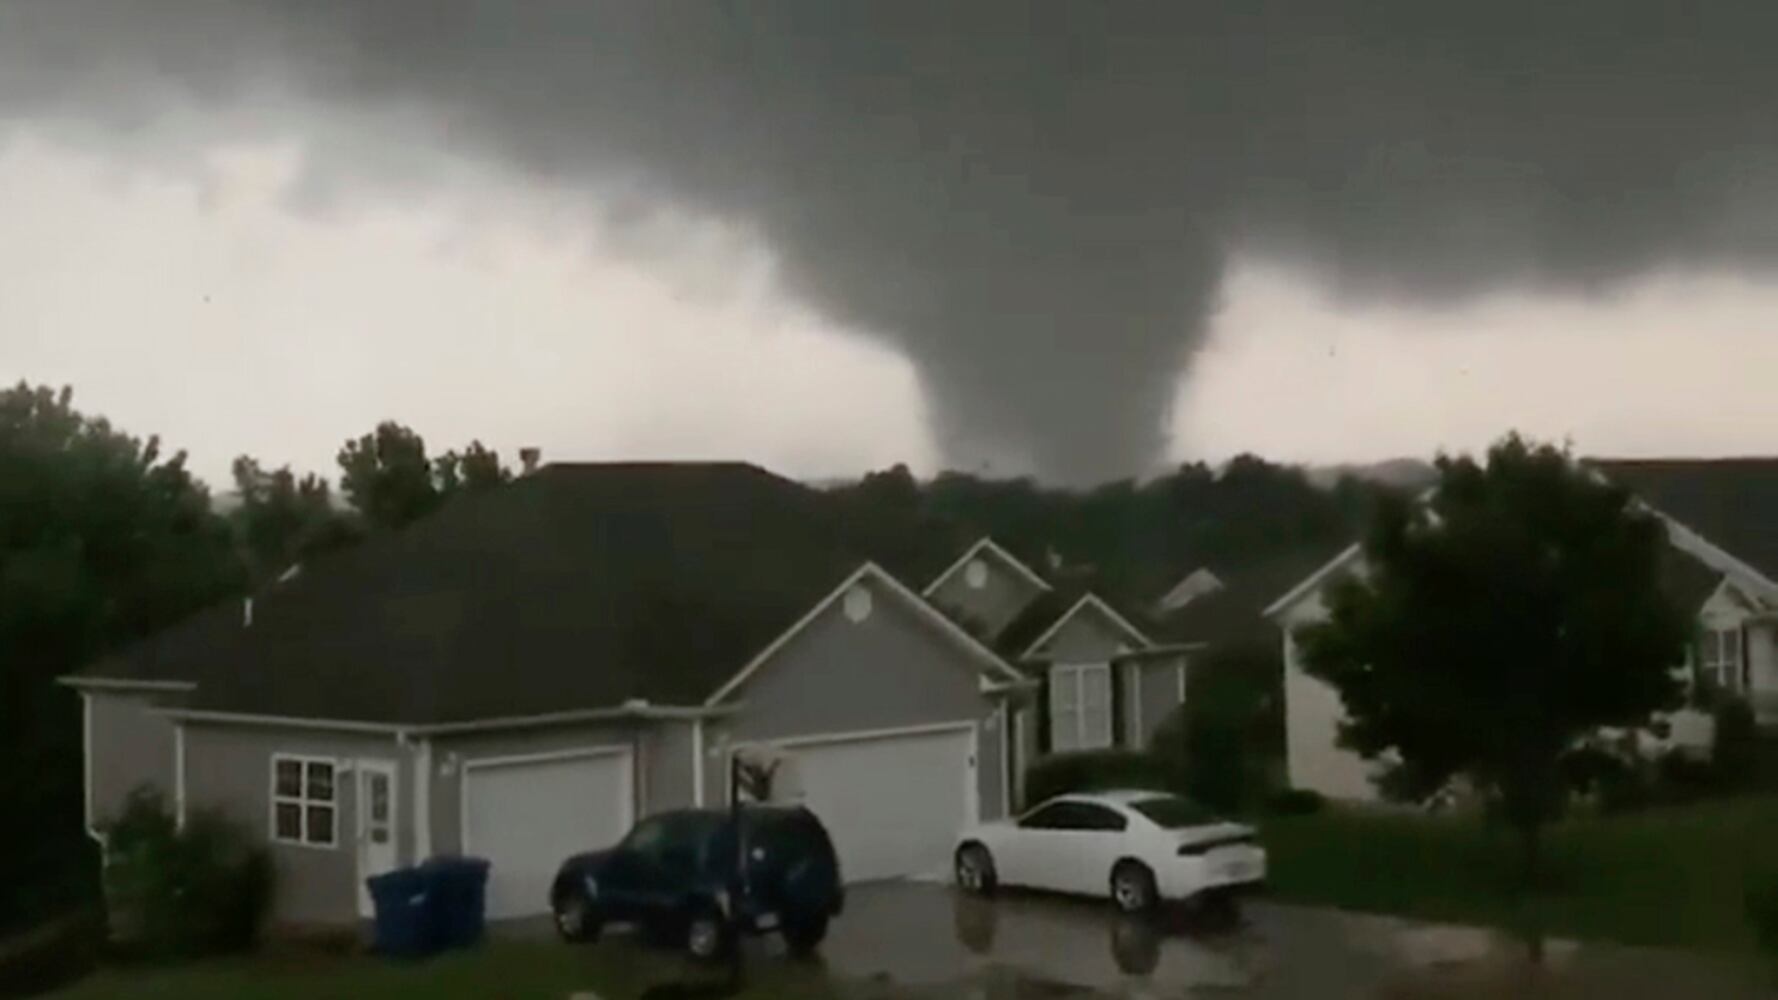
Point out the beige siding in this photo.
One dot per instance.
(891, 670)
(1087, 637)
(229, 768)
(131, 746)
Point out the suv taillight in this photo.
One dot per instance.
(1205, 846)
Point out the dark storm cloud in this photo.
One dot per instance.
(1036, 201)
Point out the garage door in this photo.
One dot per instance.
(893, 804)
(527, 814)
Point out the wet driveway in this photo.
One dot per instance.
(938, 942)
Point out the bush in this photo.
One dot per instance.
(1092, 770)
(1734, 749)
(1761, 902)
(1295, 802)
(176, 892)
(1223, 746)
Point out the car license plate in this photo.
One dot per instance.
(766, 921)
(1240, 869)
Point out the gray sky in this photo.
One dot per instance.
(827, 237)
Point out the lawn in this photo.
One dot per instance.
(498, 969)
(1673, 876)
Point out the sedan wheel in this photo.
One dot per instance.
(975, 870)
(575, 919)
(1132, 888)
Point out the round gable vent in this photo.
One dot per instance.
(976, 574)
(858, 604)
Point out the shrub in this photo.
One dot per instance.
(1761, 902)
(1734, 749)
(177, 892)
(1091, 770)
(1222, 746)
(1295, 802)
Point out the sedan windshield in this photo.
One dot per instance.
(1173, 812)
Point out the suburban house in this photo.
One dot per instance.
(522, 674)
(1724, 561)
(1101, 680)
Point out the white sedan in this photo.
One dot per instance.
(1138, 847)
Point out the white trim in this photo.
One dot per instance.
(628, 795)
(122, 684)
(986, 544)
(1007, 770)
(636, 711)
(179, 774)
(1181, 669)
(302, 801)
(970, 643)
(1018, 723)
(422, 800)
(1685, 538)
(1086, 600)
(281, 721)
(546, 756)
(1312, 581)
(86, 774)
(697, 763)
(1174, 599)
(856, 735)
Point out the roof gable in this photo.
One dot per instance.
(989, 550)
(1088, 604)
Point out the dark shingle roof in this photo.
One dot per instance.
(580, 586)
(1730, 501)
(1233, 614)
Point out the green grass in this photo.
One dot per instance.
(1673, 876)
(497, 969)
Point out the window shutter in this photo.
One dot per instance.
(1043, 710)
(1116, 674)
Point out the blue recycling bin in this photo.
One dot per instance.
(404, 925)
(457, 911)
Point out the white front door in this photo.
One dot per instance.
(376, 825)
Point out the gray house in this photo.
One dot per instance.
(1102, 679)
(522, 674)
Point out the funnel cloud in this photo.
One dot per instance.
(1035, 202)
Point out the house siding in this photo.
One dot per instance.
(994, 604)
(1159, 696)
(838, 676)
(229, 768)
(131, 746)
(1312, 713)
(1087, 637)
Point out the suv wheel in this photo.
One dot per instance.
(1132, 887)
(975, 870)
(707, 935)
(803, 935)
(576, 920)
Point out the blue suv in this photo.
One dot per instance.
(676, 874)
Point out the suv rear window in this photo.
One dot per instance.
(1172, 812)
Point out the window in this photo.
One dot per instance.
(1172, 812)
(1073, 816)
(1080, 706)
(1720, 658)
(304, 810)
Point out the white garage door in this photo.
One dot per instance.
(527, 814)
(893, 804)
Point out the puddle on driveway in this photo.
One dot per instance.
(904, 940)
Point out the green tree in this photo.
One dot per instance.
(390, 481)
(1515, 612)
(283, 518)
(102, 540)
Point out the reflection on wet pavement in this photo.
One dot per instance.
(926, 940)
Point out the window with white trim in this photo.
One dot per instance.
(1720, 657)
(305, 808)
(1080, 706)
